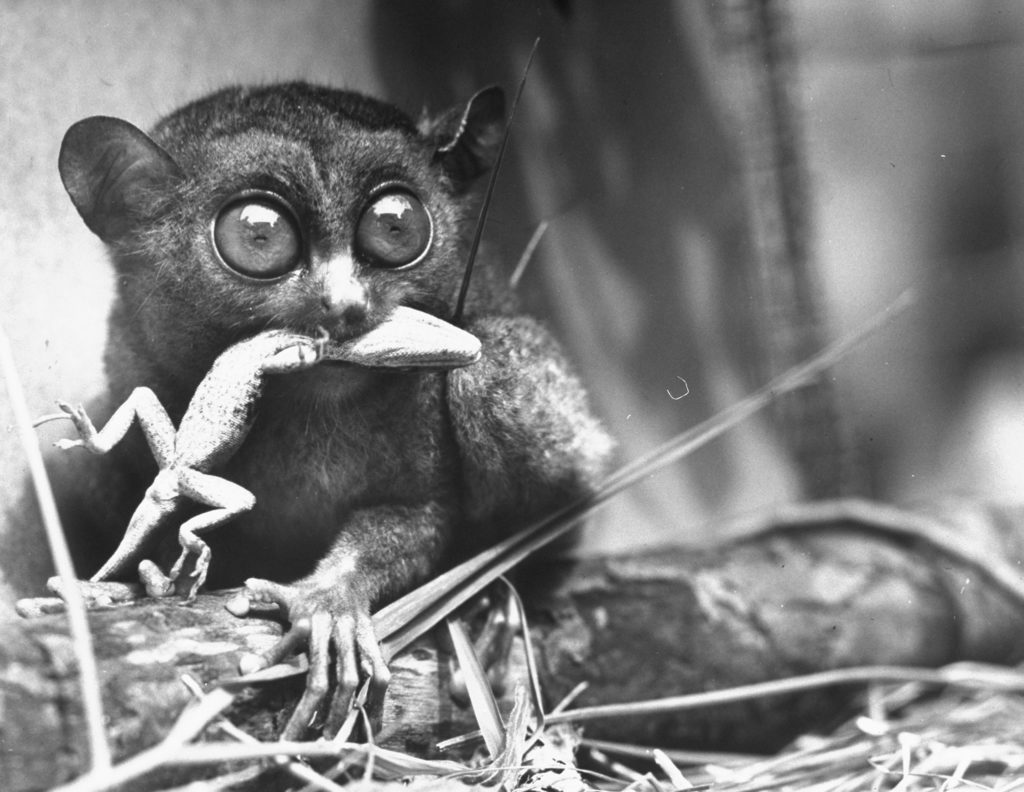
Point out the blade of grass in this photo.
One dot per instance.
(78, 623)
(971, 676)
(668, 767)
(532, 675)
(405, 619)
(485, 708)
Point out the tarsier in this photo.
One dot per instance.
(321, 213)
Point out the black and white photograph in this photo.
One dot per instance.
(572, 395)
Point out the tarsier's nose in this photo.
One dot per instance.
(344, 297)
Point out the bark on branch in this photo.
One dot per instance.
(817, 587)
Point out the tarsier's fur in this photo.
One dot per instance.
(381, 478)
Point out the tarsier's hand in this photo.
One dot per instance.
(322, 617)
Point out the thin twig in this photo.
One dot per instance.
(168, 752)
(78, 622)
(959, 675)
(485, 206)
(682, 757)
(296, 769)
(527, 256)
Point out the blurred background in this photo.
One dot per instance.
(728, 186)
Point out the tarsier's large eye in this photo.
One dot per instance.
(257, 236)
(394, 230)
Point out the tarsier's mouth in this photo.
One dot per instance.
(407, 339)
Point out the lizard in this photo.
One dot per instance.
(216, 423)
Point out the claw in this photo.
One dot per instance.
(199, 571)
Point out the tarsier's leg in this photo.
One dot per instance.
(228, 499)
(142, 404)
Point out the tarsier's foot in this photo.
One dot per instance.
(99, 593)
(31, 607)
(156, 583)
(320, 617)
(83, 424)
(95, 594)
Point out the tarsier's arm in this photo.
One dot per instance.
(528, 440)
(382, 552)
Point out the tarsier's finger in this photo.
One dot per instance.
(290, 643)
(260, 591)
(317, 680)
(346, 672)
(255, 591)
(267, 591)
(372, 659)
(345, 649)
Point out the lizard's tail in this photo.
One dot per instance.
(147, 519)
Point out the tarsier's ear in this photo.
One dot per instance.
(110, 168)
(468, 136)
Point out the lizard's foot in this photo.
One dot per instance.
(84, 426)
(199, 571)
(321, 616)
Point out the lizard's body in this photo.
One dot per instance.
(216, 422)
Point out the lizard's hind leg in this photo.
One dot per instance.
(228, 499)
(142, 404)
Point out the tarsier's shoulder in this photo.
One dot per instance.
(518, 353)
(523, 400)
